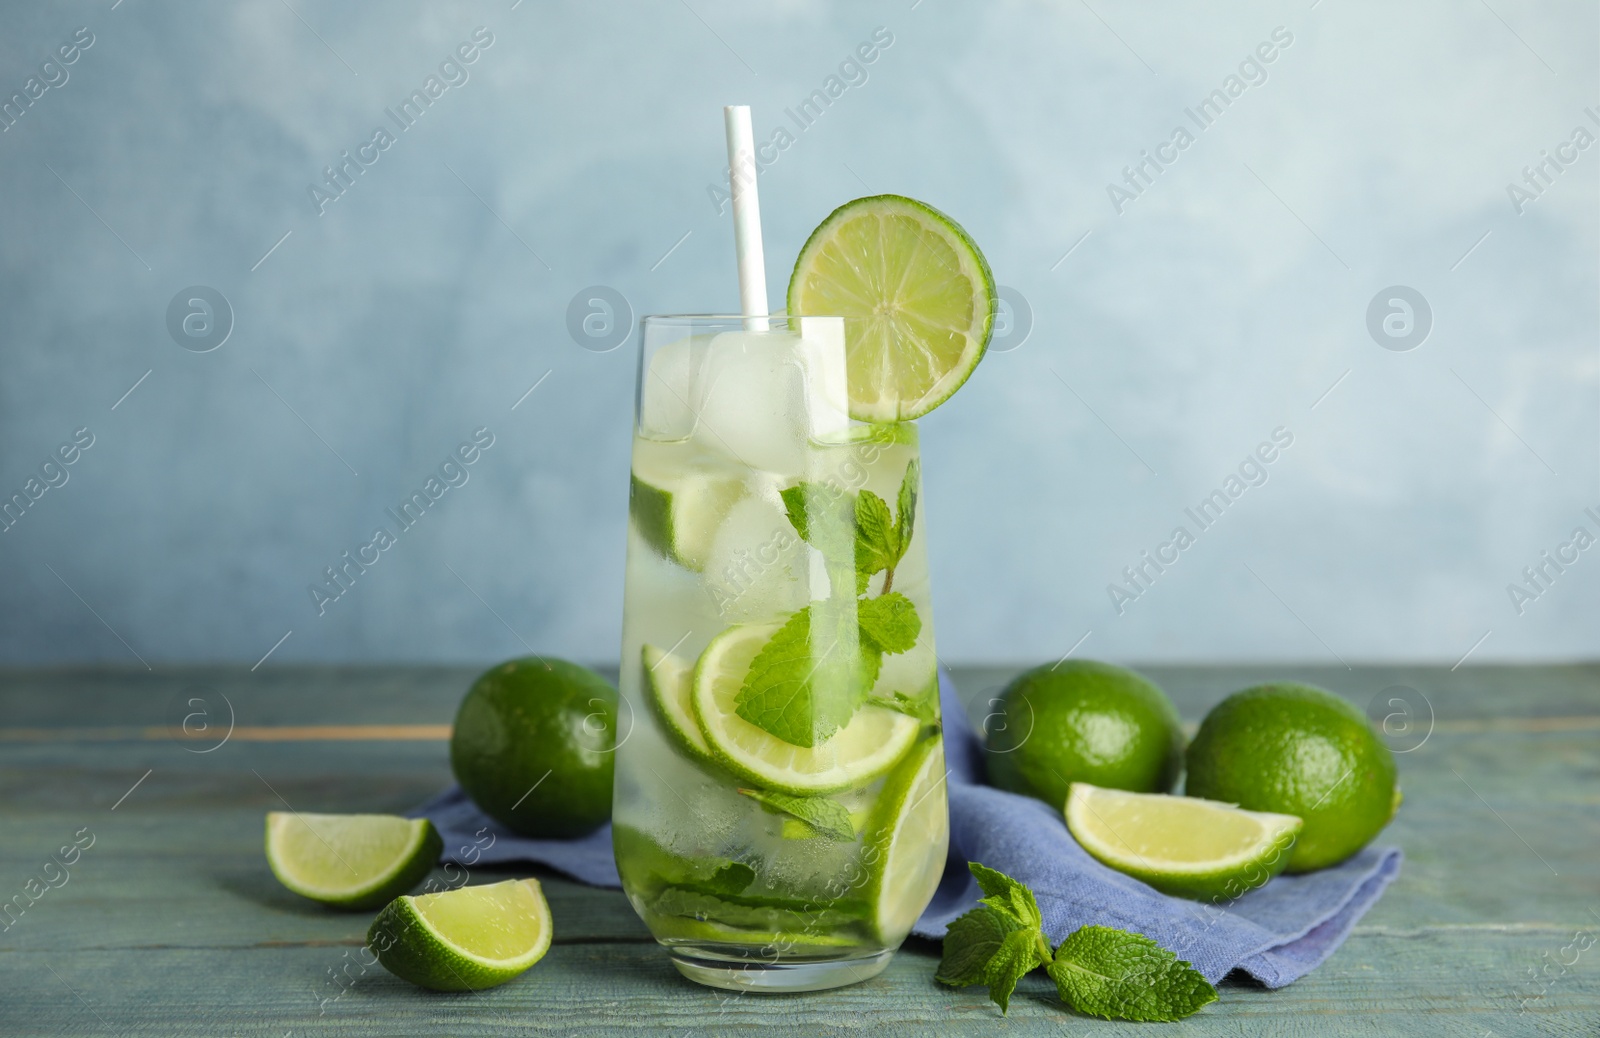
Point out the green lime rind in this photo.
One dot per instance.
(917, 296)
(669, 682)
(871, 744)
(906, 841)
(350, 861)
(479, 938)
(1298, 750)
(678, 515)
(1183, 846)
(651, 508)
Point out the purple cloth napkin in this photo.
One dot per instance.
(1276, 934)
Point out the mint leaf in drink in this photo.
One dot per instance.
(1126, 976)
(907, 508)
(889, 622)
(811, 676)
(970, 943)
(920, 707)
(731, 878)
(824, 517)
(1007, 895)
(877, 546)
(854, 530)
(826, 817)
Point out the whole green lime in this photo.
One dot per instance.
(1082, 721)
(533, 745)
(1298, 750)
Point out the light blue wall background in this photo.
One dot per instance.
(1178, 334)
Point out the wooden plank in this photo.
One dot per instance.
(1445, 984)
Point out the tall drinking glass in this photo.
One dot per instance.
(780, 814)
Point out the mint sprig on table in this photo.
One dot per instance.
(817, 670)
(1098, 971)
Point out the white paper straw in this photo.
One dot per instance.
(746, 217)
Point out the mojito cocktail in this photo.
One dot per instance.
(780, 809)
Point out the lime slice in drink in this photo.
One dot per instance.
(1184, 846)
(917, 298)
(677, 512)
(906, 841)
(669, 679)
(464, 940)
(856, 754)
(350, 861)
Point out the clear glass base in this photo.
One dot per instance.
(778, 977)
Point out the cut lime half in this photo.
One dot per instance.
(464, 940)
(1185, 846)
(669, 680)
(350, 861)
(906, 842)
(677, 512)
(917, 298)
(859, 752)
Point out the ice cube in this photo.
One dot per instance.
(751, 401)
(666, 409)
(764, 397)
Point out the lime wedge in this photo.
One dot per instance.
(464, 940)
(906, 841)
(350, 861)
(677, 512)
(669, 680)
(856, 754)
(917, 298)
(1184, 846)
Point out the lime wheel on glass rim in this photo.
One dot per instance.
(917, 297)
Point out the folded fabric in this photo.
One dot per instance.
(1276, 934)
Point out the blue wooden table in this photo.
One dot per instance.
(160, 916)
